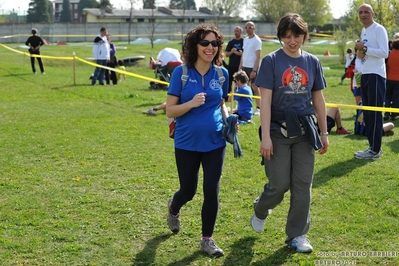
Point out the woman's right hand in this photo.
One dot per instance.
(198, 99)
(266, 148)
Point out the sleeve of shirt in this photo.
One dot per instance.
(175, 84)
(319, 80)
(266, 76)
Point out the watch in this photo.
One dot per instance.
(365, 49)
(323, 134)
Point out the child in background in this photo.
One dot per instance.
(348, 60)
(121, 67)
(244, 104)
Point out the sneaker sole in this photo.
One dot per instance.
(363, 158)
(300, 251)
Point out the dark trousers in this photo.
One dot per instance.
(110, 75)
(39, 60)
(373, 94)
(188, 163)
(392, 96)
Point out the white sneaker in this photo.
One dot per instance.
(209, 246)
(369, 155)
(359, 152)
(256, 111)
(301, 244)
(257, 224)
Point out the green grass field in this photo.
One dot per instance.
(85, 177)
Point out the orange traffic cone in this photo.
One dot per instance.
(327, 53)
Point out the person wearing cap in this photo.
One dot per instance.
(35, 42)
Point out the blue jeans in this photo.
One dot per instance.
(99, 72)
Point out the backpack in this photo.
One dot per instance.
(184, 78)
(360, 126)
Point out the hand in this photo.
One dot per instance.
(266, 148)
(360, 54)
(324, 141)
(198, 99)
(252, 75)
(359, 45)
(233, 50)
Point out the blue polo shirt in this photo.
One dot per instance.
(200, 129)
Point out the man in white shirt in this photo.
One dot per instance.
(250, 59)
(374, 49)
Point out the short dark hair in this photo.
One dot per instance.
(292, 22)
(241, 76)
(34, 31)
(395, 44)
(349, 51)
(103, 29)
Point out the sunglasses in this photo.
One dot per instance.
(249, 27)
(365, 12)
(205, 43)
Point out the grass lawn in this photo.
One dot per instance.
(85, 177)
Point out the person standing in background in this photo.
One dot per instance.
(392, 92)
(348, 60)
(35, 42)
(234, 52)
(250, 59)
(101, 54)
(374, 44)
(109, 74)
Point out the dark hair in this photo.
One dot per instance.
(34, 31)
(120, 62)
(241, 76)
(395, 44)
(103, 29)
(349, 50)
(294, 23)
(190, 51)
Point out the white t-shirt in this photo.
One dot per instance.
(375, 37)
(348, 59)
(251, 45)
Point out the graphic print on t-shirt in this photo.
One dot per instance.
(296, 79)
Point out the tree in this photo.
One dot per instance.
(38, 12)
(182, 4)
(315, 12)
(66, 14)
(50, 10)
(273, 10)
(149, 4)
(104, 3)
(227, 7)
(385, 13)
(86, 4)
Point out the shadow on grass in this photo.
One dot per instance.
(187, 260)
(147, 255)
(279, 257)
(241, 252)
(337, 170)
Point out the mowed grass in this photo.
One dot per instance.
(85, 177)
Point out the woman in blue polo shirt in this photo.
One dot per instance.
(200, 113)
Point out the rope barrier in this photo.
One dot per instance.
(360, 107)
